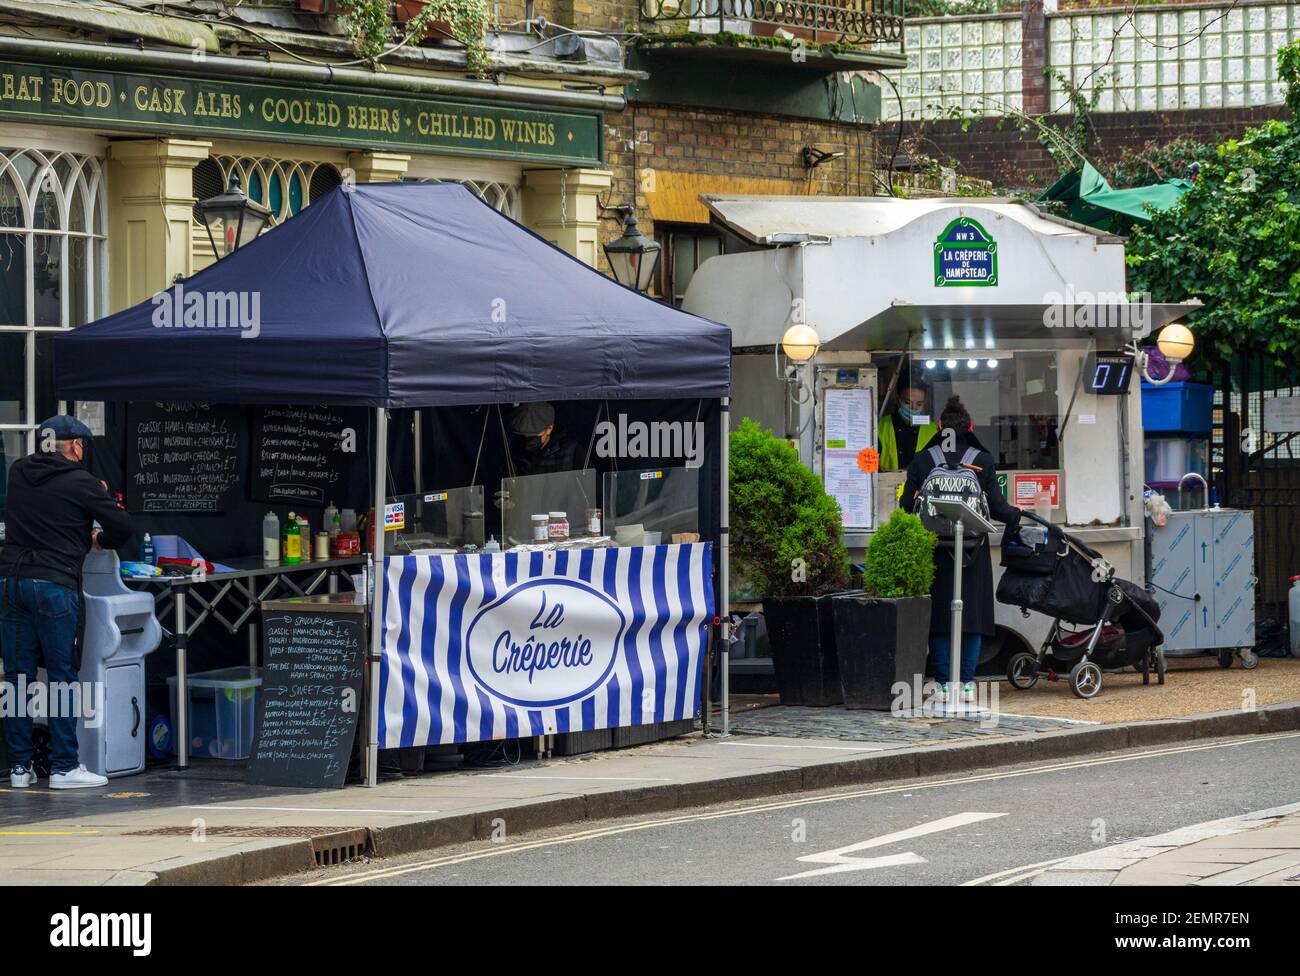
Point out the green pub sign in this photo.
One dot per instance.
(115, 100)
(965, 255)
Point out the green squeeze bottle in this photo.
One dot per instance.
(292, 542)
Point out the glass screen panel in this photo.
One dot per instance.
(648, 507)
(571, 492)
(449, 518)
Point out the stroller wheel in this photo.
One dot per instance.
(1022, 670)
(1249, 659)
(1085, 679)
(1161, 666)
(1225, 658)
(1145, 667)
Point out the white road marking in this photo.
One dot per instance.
(840, 860)
(322, 810)
(598, 833)
(582, 779)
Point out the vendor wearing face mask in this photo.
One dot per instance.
(53, 505)
(544, 450)
(899, 434)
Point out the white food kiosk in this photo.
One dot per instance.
(1022, 314)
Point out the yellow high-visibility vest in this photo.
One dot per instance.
(889, 442)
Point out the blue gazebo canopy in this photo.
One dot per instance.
(395, 295)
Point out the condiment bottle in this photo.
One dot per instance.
(271, 540)
(292, 541)
(330, 520)
(304, 537)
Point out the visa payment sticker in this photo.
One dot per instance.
(437, 496)
(394, 516)
(651, 475)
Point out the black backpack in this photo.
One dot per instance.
(957, 483)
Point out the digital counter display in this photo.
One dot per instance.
(1108, 373)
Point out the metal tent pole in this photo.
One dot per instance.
(371, 771)
(954, 656)
(724, 560)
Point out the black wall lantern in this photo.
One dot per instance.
(232, 219)
(633, 257)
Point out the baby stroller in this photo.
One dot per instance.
(1115, 621)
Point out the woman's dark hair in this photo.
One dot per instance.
(955, 415)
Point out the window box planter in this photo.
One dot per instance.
(438, 30)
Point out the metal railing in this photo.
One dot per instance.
(827, 21)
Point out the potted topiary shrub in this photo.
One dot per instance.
(786, 541)
(882, 635)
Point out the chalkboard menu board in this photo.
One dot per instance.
(183, 457)
(304, 455)
(312, 663)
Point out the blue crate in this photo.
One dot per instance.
(1186, 408)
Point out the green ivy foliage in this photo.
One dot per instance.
(1233, 240)
(900, 558)
(780, 513)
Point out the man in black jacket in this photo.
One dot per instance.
(52, 505)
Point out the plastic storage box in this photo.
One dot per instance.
(1186, 408)
(223, 709)
(1167, 459)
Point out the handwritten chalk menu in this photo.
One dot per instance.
(183, 457)
(311, 696)
(303, 455)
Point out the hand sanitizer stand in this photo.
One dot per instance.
(964, 519)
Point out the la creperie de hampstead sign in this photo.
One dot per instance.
(62, 95)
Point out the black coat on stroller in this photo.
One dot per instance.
(1116, 622)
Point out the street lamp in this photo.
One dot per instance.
(633, 257)
(1175, 343)
(232, 219)
(800, 343)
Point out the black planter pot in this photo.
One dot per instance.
(802, 635)
(879, 642)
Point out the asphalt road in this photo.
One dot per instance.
(949, 830)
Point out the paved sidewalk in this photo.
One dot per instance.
(213, 831)
(1261, 848)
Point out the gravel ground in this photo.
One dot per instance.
(1193, 686)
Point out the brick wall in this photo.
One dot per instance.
(735, 146)
(994, 150)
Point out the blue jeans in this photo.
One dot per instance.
(941, 655)
(38, 624)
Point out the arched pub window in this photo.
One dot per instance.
(53, 276)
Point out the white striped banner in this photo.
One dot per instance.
(504, 645)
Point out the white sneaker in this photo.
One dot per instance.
(21, 777)
(80, 778)
(941, 696)
(968, 693)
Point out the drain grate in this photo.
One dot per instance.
(341, 846)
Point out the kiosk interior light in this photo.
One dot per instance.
(930, 364)
(951, 364)
(992, 364)
(972, 363)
